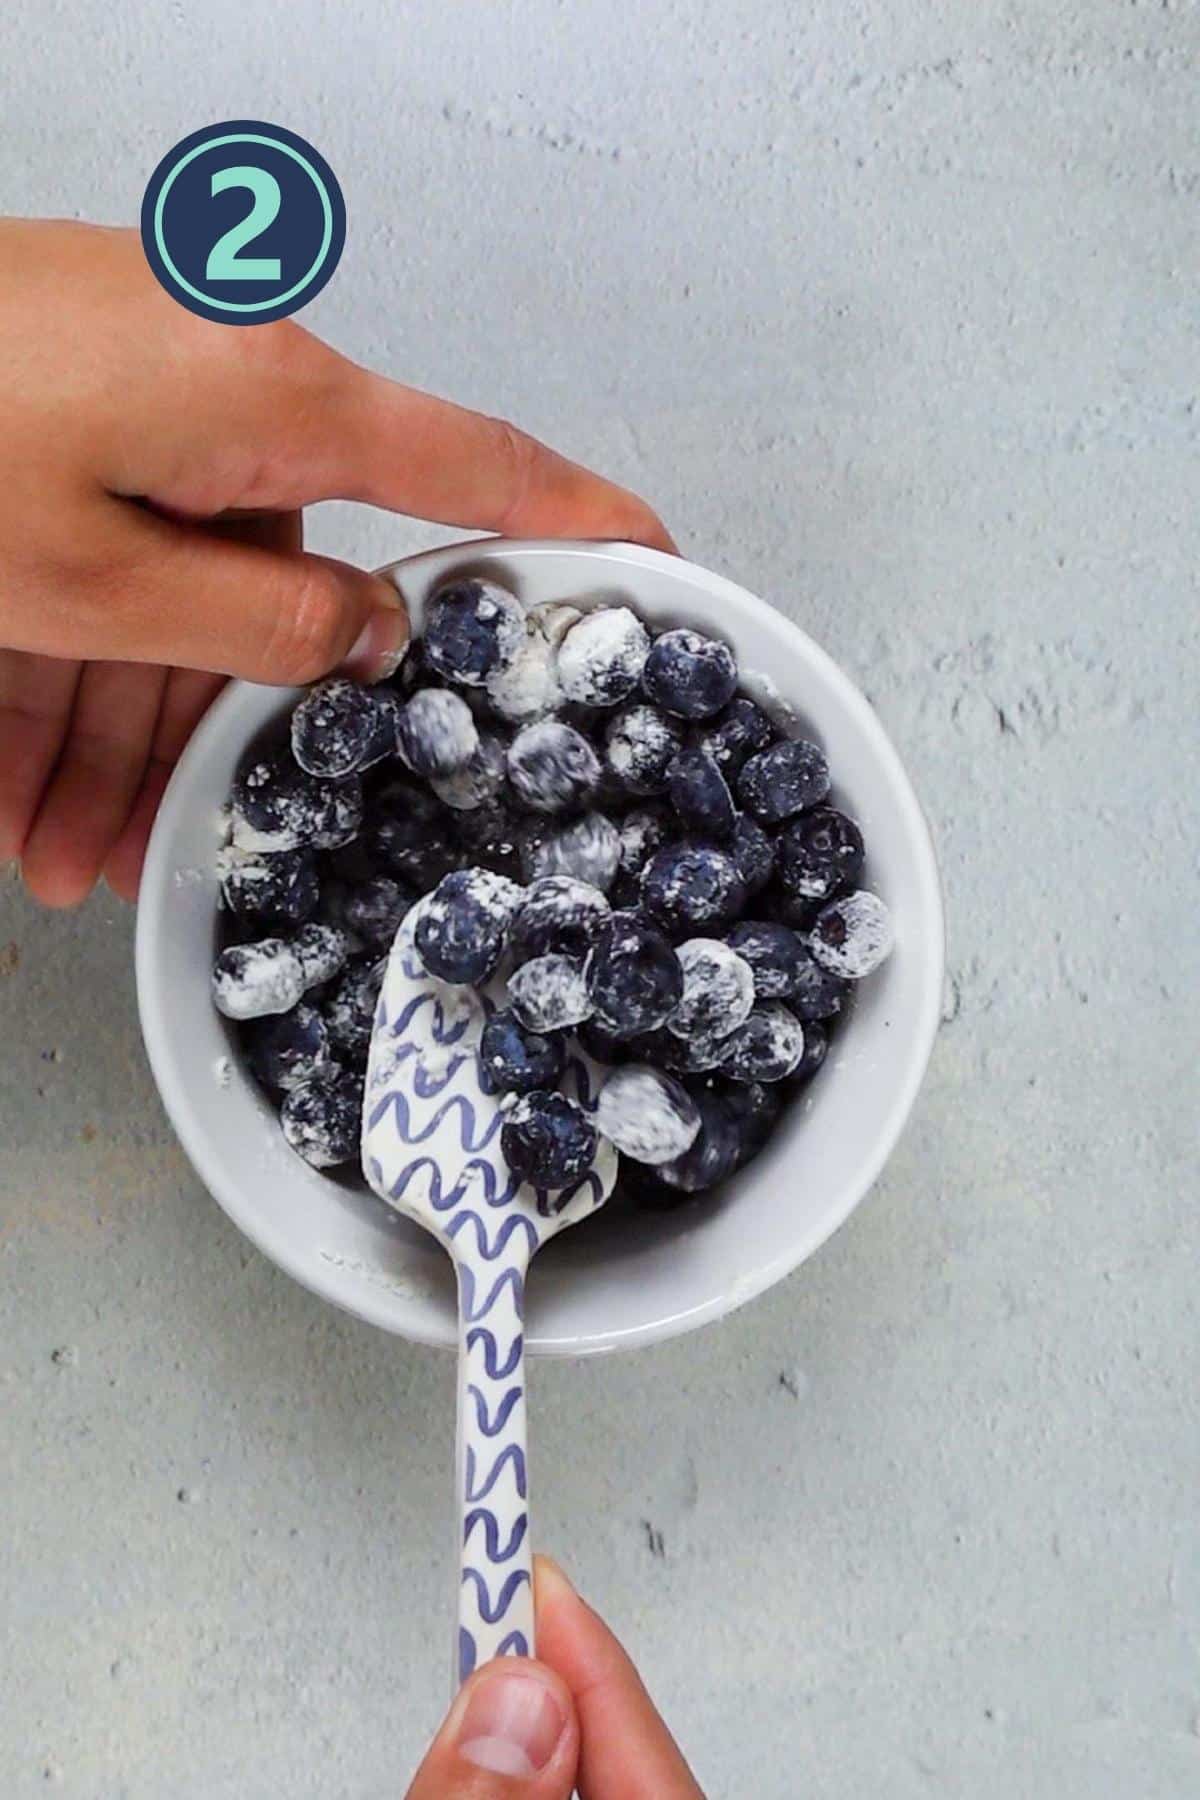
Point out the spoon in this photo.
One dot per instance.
(431, 1149)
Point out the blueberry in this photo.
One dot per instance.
(277, 888)
(335, 896)
(515, 1060)
(548, 1140)
(852, 936)
(692, 888)
(436, 734)
(341, 727)
(349, 862)
(819, 853)
(768, 1047)
(527, 687)
(552, 767)
(787, 909)
(322, 1120)
(290, 1048)
(341, 814)
(738, 732)
(756, 1105)
(601, 657)
(549, 993)
(640, 744)
(775, 954)
(373, 910)
(478, 782)
(697, 791)
(783, 780)
(611, 796)
(816, 1043)
(718, 990)
(273, 803)
(400, 797)
(417, 855)
(462, 925)
(633, 976)
(692, 1055)
(590, 849)
(588, 721)
(558, 913)
(322, 950)
(649, 1116)
(406, 835)
(349, 1007)
(471, 628)
(554, 618)
(490, 837)
(646, 1192)
(715, 1151)
(816, 992)
(753, 852)
(251, 980)
(384, 742)
(690, 675)
(625, 894)
(481, 709)
(277, 806)
(644, 829)
(415, 671)
(598, 1042)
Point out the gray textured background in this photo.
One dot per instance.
(892, 307)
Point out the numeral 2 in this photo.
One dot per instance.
(224, 263)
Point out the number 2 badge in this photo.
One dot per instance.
(243, 222)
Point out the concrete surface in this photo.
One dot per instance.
(892, 307)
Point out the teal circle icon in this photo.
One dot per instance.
(243, 222)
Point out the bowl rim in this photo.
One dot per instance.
(155, 1011)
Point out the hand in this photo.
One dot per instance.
(152, 471)
(578, 1717)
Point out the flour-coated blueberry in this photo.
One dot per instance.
(853, 935)
(783, 780)
(462, 925)
(699, 795)
(436, 732)
(819, 853)
(515, 1060)
(633, 975)
(548, 1140)
(640, 744)
(689, 674)
(472, 627)
(692, 889)
(322, 1120)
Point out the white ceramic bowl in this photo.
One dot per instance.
(619, 1281)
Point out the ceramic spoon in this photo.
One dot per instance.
(431, 1149)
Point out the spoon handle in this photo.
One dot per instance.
(495, 1599)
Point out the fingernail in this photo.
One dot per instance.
(512, 1723)
(551, 1576)
(380, 646)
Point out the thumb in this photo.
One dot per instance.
(172, 593)
(243, 609)
(511, 1734)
